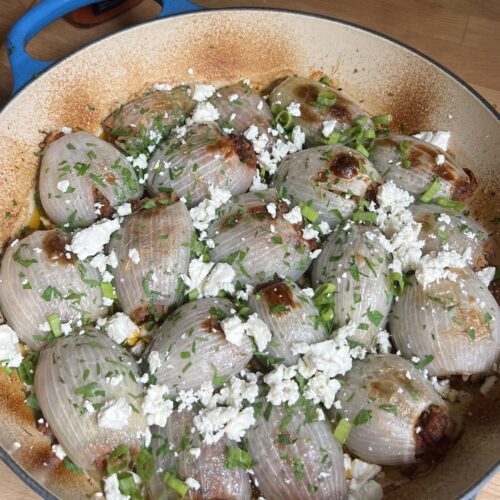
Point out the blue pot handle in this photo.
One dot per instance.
(24, 67)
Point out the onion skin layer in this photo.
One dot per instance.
(203, 156)
(311, 459)
(449, 321)
(193, 348)
(171, 450)
(331, 177)
(298, 323)
(162, 237)
(73, 370)
(39, 277)
(395, 399)
(305, 92)
(358, 267)
(95, 172)
(243, 237)
(457, 183)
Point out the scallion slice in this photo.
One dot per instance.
(368, 217)
(236, 457)
(108, 290)
(406, 163)
(175, 483)
(309, 213)
(382, 119)
(126, 484)
(324, 80)
(285, 119)
(342, 431)
(362, 150)
(432, 190)
(54, 322)
(118, 459)
(447, 203)
(144, 465)
(326, 98)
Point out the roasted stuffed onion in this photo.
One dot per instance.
(330, 178)
(191, 347)
(358, 265)
(152, 247)
(83, 177)
(443, 228)
(140, 123)
(319, 103)
(396, 415)
(416, 165)
(176, 447)
(294, 457)
(44, 286)
(188, 164)
(252, 235)
(290, 315)
(455, 325)
(88, 390)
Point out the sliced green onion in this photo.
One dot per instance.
(54, 322)
(382, 119)
(431, 191)
(236, 457)
(368, 217)
(324, 80)
(326, 314)
(144, 465)
(326, 98)
(369, 134)
(309, 213)
(324, 294)
(333, 138)
(284, 118)
(126, 484)
(118, 459)
(175, 483)
(342, 431)
(404, 148)
(447, 203)
(276, 108)
(108, 290)
(396, 283)
(362, 150)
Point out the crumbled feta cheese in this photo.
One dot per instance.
(331, 357)
(192, 483)
(308, 292)
(361, 484)
(328, 128)
(186, 400)
(486, 275)
(233, 97)
(488, 384)
(440, 159)
(233, 329)
(439, 138)
(294, 108)
(282, 388)
(298, 137)
(156, 408)
(271, 209)
(133, 255)
(190, 71)
(237, 390)
(221, 278)
(202, 92)
(294, 216)
(197, 273)
(63, 186)
(115, 380)
(205, 212)
(259, 331)
(324, 228)
(90, 241)
(315, 254)
(114, 414)
(309, 233)
(112, 489)
(154, 361)
(251, 132)
(435, 266)
(257, 183)
(205, 112)
(195, 452)
(321, 389)
(120, 327)
(9, 347)
(58, 451)
(383, 342)
(124, 209)
(66, 130)
(164, 87)
(244, 294)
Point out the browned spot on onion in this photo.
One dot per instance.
(212, 325)
(244, 150)
(109, 177)
(53, 245)
(344, 165)
(148, 313)
(50, 137)
(433, 431)
(278, 294)
(106, 210)
(465, 189)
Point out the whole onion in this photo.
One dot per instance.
(453, 324)
(153, 248)
(40, 278)
(295, 455)
(396, 415)
(357, 264)
(330, 178)
(291, 316)
(75, 378)
(314, 112)
(414, 164)
(193, 349)
(177, 447)
(258, 246)
(83, 177)
(188, 164)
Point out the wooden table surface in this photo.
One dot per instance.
(463, 35)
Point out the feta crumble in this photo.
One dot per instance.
(202, 92)
(435, 266)
(282, 388)
(328, 128)
(112, 489)
(133, 255)
(294, 108)
(91, 241)
(205, 112)
(439, 138)
(114, 414)
(63, 186)
(156, 408)
(486, 275)
(294, 216)
(58, 451)
(9, 347)
(271, 209)
(235, 331)
(206, 211)
(120, 327)
(192, 483)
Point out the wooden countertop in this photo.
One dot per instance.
(463, 35)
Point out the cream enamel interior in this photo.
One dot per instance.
(222, 47)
